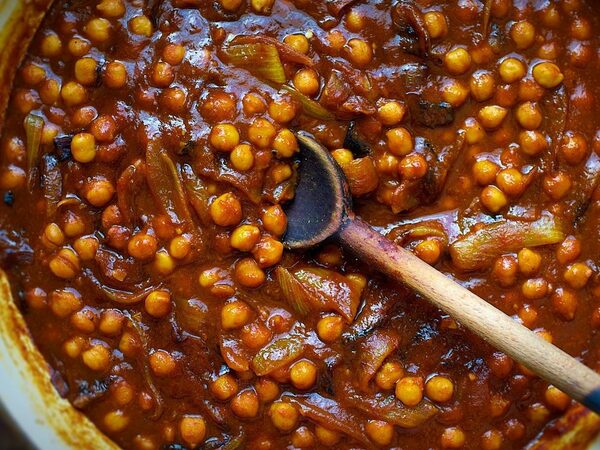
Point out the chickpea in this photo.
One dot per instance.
(162, 75)
(253, 104)
(355, 21)
(192, 430)
(12, 177)
(255, 335)
(548, 50)
(439, 389)
(457, 61)
(511, 70)
(330, 328)
(556, 399)
(360, 52)
(111, 8)
(529, 261)
(141, 25)
(111, 322)
(569, 250)
(224, 387)
(173, 99)
(180, 247)
(129, 344)
(158, 304)
(115, 75)
(493, 198)
(511, 182)
(303, 374)
(245, 237)
(528, 315)
(573, 147)
(283, 415)
(65, 302)
(307, 82)
(84, 320)
(65, 264)
(53, 236)
(532, 142)
(388, 375)
(409, 390)
(577, 275)
(73, 93)
(523, 34)
(529, 115)
(248, 273)
(78, 46)
(564, 303)
(454, 93)
(399, 141)
(491, 116)
(380, 432)
(242, 157)
(285, 143)
(83, 147)
(97, 358)
(261, 133)
(267, 252)
(274, 220)
(73, 346)
(224, 137)
(386, 163)
(226, 210)
(485, 171)
(482, 85)
(391, 113)
(32, 74)
(342, 156)
(245, 404)
(327, 437)
(142, 246)
(115, 421)
(491, 440)
(534, 288)
(85, 71)
(581, 29)
(51, 46)
(557, 185)
(436, 24)
(302, 437)
(453, 437)
(336, 40)
(282, 111)
(235, 315)
(36, 298)
(98, 30)
(412, 167)
(162, 363)
(267, 389)
(429, 251)
(547, 75)
(298, 42)
(262, 6)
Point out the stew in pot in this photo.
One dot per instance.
(145, 166)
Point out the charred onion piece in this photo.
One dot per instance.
(408, 20)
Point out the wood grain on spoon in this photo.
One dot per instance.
(322, 210)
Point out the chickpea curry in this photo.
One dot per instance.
(147, 158)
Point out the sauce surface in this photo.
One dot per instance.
(145, 164)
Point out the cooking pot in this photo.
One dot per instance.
(26, 391)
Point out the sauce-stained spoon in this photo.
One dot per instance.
(322, 209)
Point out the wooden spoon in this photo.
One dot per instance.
(322, 209)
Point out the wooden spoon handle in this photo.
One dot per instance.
(524, 346)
